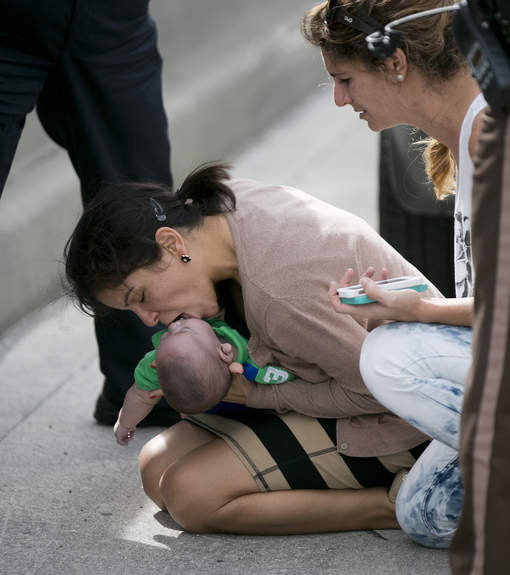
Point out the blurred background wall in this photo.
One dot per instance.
(235, 72)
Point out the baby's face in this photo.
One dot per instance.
(188, 334)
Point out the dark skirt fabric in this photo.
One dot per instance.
(293, 451)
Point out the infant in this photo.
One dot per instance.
(191, 365)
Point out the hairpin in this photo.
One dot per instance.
(159, 212)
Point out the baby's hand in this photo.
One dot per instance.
(123, 435)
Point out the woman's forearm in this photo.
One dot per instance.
(451, 311)
(404, 305)
(324, 399)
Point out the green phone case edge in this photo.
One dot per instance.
(363, 299)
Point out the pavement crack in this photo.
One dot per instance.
(378, 535)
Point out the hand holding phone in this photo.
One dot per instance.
(355, 295)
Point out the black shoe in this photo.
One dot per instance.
(106, 413)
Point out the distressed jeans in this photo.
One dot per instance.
(418, 371)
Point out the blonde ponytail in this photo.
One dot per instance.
(440, 167)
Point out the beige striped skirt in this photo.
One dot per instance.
(293, 451)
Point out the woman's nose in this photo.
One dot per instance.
(341, 95)
(150, 318)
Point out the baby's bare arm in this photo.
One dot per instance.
(138, 403)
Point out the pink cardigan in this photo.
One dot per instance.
(289, 246)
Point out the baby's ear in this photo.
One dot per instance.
(225, 352)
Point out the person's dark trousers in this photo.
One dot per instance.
(411, 218)
(480, 546)
(93, 70)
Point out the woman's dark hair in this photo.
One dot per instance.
(116, 233)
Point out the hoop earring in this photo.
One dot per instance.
(185, 258)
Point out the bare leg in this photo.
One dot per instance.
(210, 490)
(164, 450)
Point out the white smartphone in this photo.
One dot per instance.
(354, 295)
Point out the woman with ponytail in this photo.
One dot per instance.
(315, 454)
(417, 365)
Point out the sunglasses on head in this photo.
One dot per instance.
(336, 16)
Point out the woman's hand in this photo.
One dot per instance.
(238, 391)
(402, 305)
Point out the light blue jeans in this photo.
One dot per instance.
(418, 371)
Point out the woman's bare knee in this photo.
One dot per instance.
(152, 463)
(197, 489)
(180, 498)
(163, 450)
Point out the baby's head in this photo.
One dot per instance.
(192, 366)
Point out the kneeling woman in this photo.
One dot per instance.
(325, 455)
